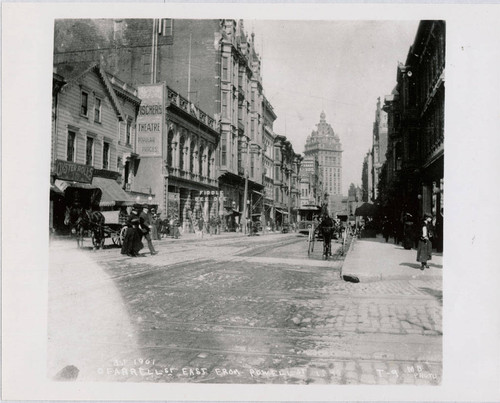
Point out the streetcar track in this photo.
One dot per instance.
(298, 295)
(313, 332)
(287, 355)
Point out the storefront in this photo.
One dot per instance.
(432, 197)
(75, 183)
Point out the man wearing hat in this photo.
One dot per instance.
(146, 225)
(132, 239)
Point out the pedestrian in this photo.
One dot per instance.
(155, 227)
(424, 250)
(386, 229)
(201, 226)
(211, 225)
(132, 244)
(175, 227)
(145, 225)
(218, 223)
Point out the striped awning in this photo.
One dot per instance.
(112, 193)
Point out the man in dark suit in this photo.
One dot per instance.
(146, 225)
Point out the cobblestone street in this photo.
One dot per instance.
(257, 310)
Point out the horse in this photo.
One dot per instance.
(80, 220)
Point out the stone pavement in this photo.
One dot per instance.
(371, 259)
(225, 310)
(85, 311)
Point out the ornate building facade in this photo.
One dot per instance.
(414, 170)
(324, 145)
(211, 66)
(378, 151)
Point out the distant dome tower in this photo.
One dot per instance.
(324, 145)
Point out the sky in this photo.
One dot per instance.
(339, 67)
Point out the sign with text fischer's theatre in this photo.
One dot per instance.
(150, 120)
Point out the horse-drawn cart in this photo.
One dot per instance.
(113, 228)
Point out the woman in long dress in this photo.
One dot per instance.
(424, 250)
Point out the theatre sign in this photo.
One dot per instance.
(150, 120)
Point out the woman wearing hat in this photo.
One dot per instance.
(132, 240)
(424, 250)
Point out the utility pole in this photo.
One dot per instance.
(189, 70)
(245, 194)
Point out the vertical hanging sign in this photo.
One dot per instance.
(150, 120)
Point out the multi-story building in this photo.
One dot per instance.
(324, 144)
(93, 135)
(212, 64)
(177, 144)
(268, 137)
(379, 149)
(415, 153)
(311, 184)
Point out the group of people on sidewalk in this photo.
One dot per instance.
(139, 225)
(425, 234)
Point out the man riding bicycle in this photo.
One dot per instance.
(326, 228)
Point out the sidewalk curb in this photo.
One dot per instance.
(367, 278)
(373, 277)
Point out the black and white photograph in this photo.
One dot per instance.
(252, 200)
(222, 247)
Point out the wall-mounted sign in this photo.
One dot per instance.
(150, 120)
(71, 171)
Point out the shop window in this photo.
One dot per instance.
(70, 147)
(89, 153)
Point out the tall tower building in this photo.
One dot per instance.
(325, 145)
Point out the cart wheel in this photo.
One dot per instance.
(121, 236)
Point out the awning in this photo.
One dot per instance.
(56, 190)
(112, 193)
(281, 211)
(63, 185)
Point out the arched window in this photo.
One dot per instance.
(169, 148)
(200, 160)
(191, 157)
(209, 163)
(182, 143)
